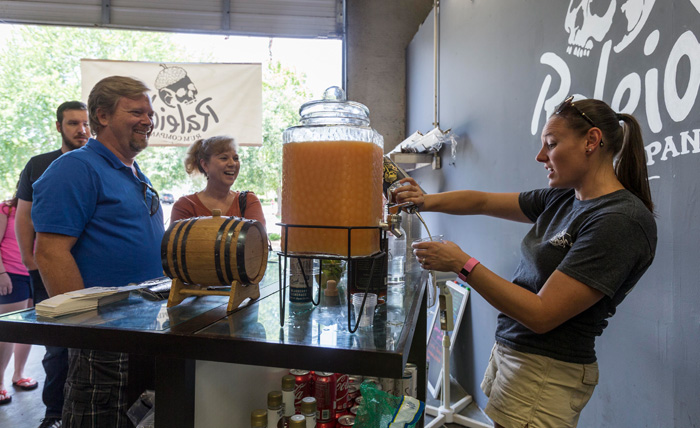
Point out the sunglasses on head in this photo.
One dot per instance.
(569, 102)
(154, 203)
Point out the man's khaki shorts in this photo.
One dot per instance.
(528, 390)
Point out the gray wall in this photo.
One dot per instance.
(499, 61)
(378, 33)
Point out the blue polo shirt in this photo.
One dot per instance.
(90, 194)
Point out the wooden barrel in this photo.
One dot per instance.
(215, 250)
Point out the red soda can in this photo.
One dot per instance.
(326, 424)
(324, 392)
(346, 421)
(302, 386)
(354, 380)
(353, 393)
(342, 401)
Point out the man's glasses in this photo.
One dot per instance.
(150, 193)
(569, 102)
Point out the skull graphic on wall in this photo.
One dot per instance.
(173, 85)
(586, 21)
(636, 12)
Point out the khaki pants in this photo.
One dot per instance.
(528, 390)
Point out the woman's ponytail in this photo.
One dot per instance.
(631, 165)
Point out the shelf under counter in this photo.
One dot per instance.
(200, 328)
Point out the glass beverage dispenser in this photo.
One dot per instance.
(332, 176)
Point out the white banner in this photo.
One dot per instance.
(192, 101)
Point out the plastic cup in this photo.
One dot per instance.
(366, 318)
(436, 238)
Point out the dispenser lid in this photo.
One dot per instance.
(334, 108)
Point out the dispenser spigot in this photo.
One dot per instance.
(393, 224)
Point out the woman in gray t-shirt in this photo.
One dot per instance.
(594, 236)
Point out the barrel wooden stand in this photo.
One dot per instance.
(179, 291)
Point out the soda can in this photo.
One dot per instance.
(353, 392)
(324, 392)
(326, 424)
(407, 384)
(346, 421)
(340, 415)
(359, 401)
(302, 386)
(341, 393)
(354, 380)
(353, 410)
(387, 384)
(373, 380)
(414, 379)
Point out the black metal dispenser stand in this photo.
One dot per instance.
(375, 263)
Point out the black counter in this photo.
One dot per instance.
(201, 329)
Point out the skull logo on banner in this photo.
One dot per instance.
(173, 84)
(586, 21)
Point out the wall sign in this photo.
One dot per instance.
(612, 34)
(192, 101)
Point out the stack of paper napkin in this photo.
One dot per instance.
(83, 300)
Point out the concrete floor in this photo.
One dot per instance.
(26, 408)
(472, 411)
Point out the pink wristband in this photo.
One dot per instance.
(467, 269)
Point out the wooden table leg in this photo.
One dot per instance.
(174, 392)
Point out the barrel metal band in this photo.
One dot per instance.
(183, 255)
(217, 253)
(164, 252)
(240, 254)
(227, 249)
(176, 238)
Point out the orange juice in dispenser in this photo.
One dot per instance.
(332, 176)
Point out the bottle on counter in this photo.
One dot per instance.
(397, 255)
(274, 408)
(258, 418)
(330, 294)
(308, 409)
(301, 282)
(297, 421)
(288, 382)
(330, 299)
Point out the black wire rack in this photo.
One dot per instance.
(375, 260)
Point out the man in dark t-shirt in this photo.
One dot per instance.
(72, 123)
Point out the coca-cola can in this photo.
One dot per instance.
(359, 401)
(302, 386)
(353, 410)
(341, 393)
(354, 380)
(353, 393)
(324, 392)
(387, 384)
(326, 424)
(346, 421)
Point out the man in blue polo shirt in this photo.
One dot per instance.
(99, 223)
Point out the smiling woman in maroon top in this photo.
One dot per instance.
(216, 158)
